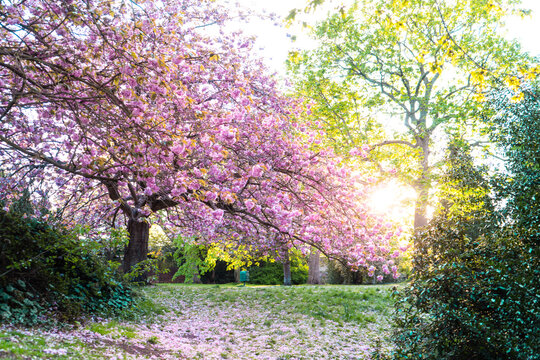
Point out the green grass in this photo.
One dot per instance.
(313, 306)
(357, 304)
(113, 328)
(18, 345)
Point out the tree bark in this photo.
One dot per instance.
(314, 274)
(422, 185)
(137, 249)
(286, 268)
(420, 210)
(196, 275)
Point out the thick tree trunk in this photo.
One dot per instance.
(286, 269)
(314, 274)
(137, 248)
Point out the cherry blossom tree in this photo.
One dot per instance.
(141, 107)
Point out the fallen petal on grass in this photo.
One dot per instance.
(226, 322)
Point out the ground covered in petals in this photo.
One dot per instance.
(224, 322)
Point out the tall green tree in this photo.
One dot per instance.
(415, 66)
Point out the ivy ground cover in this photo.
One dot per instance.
(225, 322)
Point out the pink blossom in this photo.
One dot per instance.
(218, 215)
(249, 204)
(178, 191)
(138, 118)
(178, 149)
(211, 196)
(256, 171)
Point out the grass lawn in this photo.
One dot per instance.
(224, 322)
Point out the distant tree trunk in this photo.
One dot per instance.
(137, 249)
(237, 275)
(314, 274)
(420, 216)
(422, 185)
(196, 275)
(286, 268)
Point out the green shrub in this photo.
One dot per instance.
(46, 270)
(474, 290)
(271, 273)
(339, 274)
(268, 273)
(476, 299)
(219, 274)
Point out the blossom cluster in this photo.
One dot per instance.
(138, 109)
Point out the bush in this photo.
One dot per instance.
(271, 273)
(476, 299)
(516, 129)
(474, 290)
(219, 274)
(340, 274)
(46, 270)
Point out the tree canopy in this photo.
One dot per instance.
(136, 108)
(420, 67)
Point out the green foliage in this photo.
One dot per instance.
(195, 262)
(392, 74)
(22, 205)
(267, 274)
(19, 305)
(191, 259)
(336, 273)
(475, 299)
(340, 274)
(271, 273)
(139, 270)
(474, 291)
(46, 270)
(166, 262)
(516, 129)
(106, 243)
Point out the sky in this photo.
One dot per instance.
(274, 41)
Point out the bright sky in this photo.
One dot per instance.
(275, 43)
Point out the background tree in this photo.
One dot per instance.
(422, 64)
(136, 109)
(314, 274)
